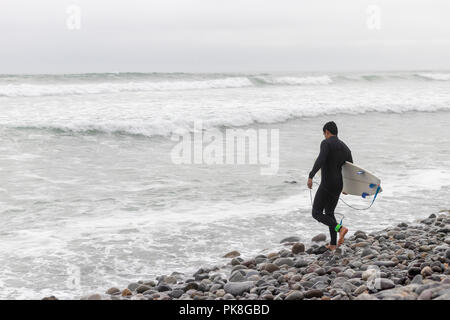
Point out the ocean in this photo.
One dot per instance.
(91, 198)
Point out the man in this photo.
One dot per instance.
(332, 156)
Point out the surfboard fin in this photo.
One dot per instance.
(372, 185)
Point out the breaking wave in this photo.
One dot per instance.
(64, 85)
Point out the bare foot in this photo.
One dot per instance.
(342, 232)
(330, 247)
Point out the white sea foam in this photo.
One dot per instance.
(435, 76)
(36, 90)
(291, 80)
(63, 85)
(181, 121)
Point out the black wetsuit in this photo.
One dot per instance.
(332, 156)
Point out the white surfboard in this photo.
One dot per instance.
(359, 181)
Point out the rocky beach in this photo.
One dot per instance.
(408, 261)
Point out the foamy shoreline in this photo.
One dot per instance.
(408, 261)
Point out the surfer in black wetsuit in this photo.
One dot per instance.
(332, 156)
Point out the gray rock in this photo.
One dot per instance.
(271, 267)
(417, 279)
(413, 271)
(301, 263)
(445, 296)
(320, 250)
(169, 279)
(237, 276)
(295, 295)
(298, 248)
(190, 286)
(387, 263)
(360, 235)
(426, 272)
(176, 293)
(290, 239)
(384, 284)
(400, 236)
(113, 291)
(447, 254)
(360, 290)
(313, 293)
(234, 262)
(320, 237)
(366, 252)
(232, 254)
(142, 288)
(366, 296)
(163, 287)
(133, 286)
(238, 288)
(426, 295)
(228, 296)
(424, 248)
(253, 277)
(281, 261)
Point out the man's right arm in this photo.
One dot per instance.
(349, 157)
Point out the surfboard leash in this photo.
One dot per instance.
(348, 205)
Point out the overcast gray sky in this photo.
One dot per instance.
(223, 35)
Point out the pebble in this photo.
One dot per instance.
(301, 263)
(320, 237)
(142, 288)
(360, 290)
(237, 276)
(366, 296)
(113, 291)
(133, 286)
(232, 254)
(190, 286)
(270, 267)
(163, 287)
(426, 272)
(447, 254)
(290, 239)
(384, 284)
(398, 263)
(295, 295)
(220, 293)
(284, 261)
(424, 248)
(298, 248)
(385, 263)
(366, 252)
(176, 293)
(314, 293)
(417, 279)
(238, 288)
(126, 292)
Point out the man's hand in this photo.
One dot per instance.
(309, 184)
